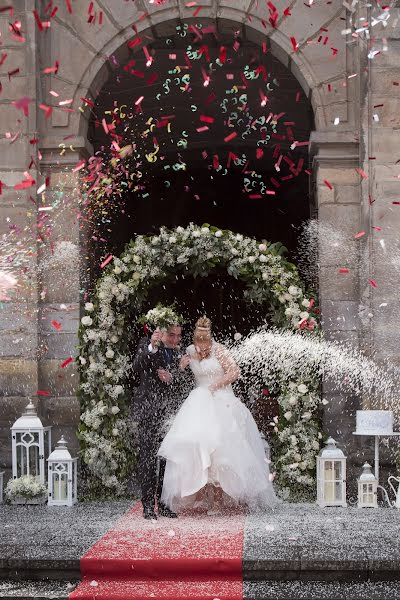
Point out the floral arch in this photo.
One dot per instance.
(105, 433)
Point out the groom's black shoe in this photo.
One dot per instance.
(164, 511)
(149, 513)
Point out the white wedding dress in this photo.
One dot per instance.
(214, 439)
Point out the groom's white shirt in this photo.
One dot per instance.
(151, 349)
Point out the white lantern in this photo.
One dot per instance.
(367, 488)
(331, 476)
(62, 476)
(31, 443)
(1, 486)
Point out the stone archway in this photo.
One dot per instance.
(334, 149)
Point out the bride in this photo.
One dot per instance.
(213, 444)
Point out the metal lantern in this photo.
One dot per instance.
(1, 486)
(367, 488)
(31, 443)
(331, 476)
(62, 476)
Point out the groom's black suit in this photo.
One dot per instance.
(153, 402)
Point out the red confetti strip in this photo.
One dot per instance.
(29, 182)
(42, 393)
(135, 42)
(196, 12)
(294, 43)
(12, 73)
(372, 282)
(69, 7)
(47, 109)
(230, 137)
(87, 102)
(106, 261)
(362, 173)
(67, 362)
(52, 69)
(326, 182)
(206, 119)
(152, 79)
(38, 21)
(360, 234)
(56, 325)
(231, 156)
(343, 270)
(253, 196)
(79, 166)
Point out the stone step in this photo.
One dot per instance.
(37, 590)
(319, 590)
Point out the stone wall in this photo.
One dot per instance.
(31, 349)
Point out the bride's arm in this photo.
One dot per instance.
(231, 369)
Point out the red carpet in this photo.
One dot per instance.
(193, 557)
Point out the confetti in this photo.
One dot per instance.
(372, 282)
(67, 362)
(230, 137)
(106, 261)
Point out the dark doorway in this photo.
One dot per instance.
(202, 188)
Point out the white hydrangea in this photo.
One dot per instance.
(302, 388)
(304, 315)
(172, 239)
(89, 306)
(288, 415)
(306, 303)
(262, 247)
(196, 233)
(115, 410)
(87, 321)
(251, 259)
(110, 353)
(218, 233)
(294, 291)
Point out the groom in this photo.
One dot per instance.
(159, 366)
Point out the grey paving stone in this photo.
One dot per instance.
(299, 590)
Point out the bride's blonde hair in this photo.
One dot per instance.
(202, 331)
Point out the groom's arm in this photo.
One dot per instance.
(144, 358)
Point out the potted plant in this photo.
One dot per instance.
(26, 490)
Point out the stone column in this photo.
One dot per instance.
(338, 191)
(62, 261)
